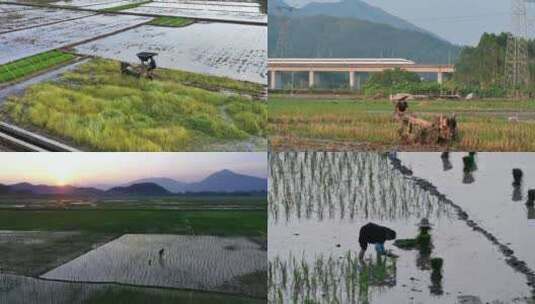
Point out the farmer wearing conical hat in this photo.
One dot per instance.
(425, 225)
(374, 234)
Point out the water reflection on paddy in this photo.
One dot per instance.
(221, 49)
(318, 202)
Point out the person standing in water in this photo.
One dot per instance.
(374, 234)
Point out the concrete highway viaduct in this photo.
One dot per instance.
(353, 66)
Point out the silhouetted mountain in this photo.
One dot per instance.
(149, 189)
(4, 189)
(334, 37)
(222, 181)
(168, 183)
(228, 181)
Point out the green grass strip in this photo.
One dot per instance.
(30, 65)
(123, 7)
(171, 21)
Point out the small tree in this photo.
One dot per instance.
(391, 81)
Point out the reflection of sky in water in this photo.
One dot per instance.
(16, 17)
(16, 289)
(365, 186)
(96, 4)
(220, 49)
(489, 198)
(20, 44)
(188, 262)
(212, 10)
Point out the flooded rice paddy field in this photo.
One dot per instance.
(97, 4)
(16, 17)
(34, 252)
(221, 49)
(319, 201)
(15, 289)
(24, 43)
(249, 12)
(188, 262)
(486, 194)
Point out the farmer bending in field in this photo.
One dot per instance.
(374, 234)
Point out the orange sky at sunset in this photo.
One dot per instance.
(109, 168)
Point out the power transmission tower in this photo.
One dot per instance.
(516, 57)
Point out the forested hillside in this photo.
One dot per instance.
(326, 36)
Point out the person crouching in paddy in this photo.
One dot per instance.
(375, 234)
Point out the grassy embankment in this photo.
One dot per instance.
(132, 295)
(95, 106)
(171, 21)
(30, 65)
(123, 7)
(483, 125)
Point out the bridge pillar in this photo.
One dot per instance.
(310, 79)
(440, 77)
(273, 79)
(358, 81)
(354, 80)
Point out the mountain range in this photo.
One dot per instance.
(222, 181)
(351, 29)
(355, 9)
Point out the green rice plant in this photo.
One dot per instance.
(325, 185)
(169, 21)
(436, 264)
(406, 243)
(96, 106)
(341, 280)
(33, 64)
(124, 7)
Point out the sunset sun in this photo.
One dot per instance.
(62, 176)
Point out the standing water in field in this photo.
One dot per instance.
(488, 193)
(16, 289)
(230, 11)
(218, 264)
(319, 201)
(200, 48)
(15, 17)
(28, 42)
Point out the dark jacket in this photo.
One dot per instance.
(372, 234)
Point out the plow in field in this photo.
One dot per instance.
(442, 129)
(145, 69)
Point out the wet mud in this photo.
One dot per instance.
(508, 253)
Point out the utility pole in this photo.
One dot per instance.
(282, 39)
(517, 74)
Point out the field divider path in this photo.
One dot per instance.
(508, 253)
(244, 22)
(144, 286)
